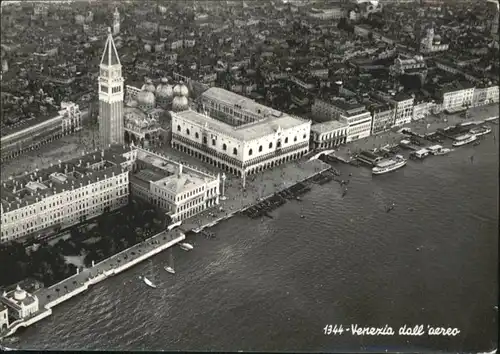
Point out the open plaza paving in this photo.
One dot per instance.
(66, 148)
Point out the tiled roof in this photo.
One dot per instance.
(232, 98)
(245, 132)
(73, 174)
(328, 126)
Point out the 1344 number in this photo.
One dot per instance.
(333, 329)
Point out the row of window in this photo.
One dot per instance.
(190, 204)
(235, 151)
(334, 134)
(59, 202)
(56, 217)
(190, 194)
(192, 212)
(360, 128)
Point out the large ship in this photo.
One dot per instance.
(483, 130)
(389, 165)
(464, 139)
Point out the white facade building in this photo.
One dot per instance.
(485, 95)
(243, 149)
(328, 134)
(422, 109)
(43, 202)
(457, 98)
(354, 115)
(359, 125)
(325, 109)
(21, 304)
(182, 191)
(383, 119)
(403, 105)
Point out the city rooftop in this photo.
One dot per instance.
(245, 132)
(32, 187)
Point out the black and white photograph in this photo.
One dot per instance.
(249, 176)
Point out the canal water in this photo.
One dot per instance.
(274, 284)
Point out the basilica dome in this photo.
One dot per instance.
(181, 90)
(180, 103)
(164, 90)
(146, 97)
(148, 86)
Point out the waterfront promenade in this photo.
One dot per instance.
(259, 186)
(80, 282)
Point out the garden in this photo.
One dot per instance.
(114, 232)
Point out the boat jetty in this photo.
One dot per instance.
(418, 144)
(325, 177)
(276, 200)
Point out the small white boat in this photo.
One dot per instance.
(174, 225)
(438, 150)
(169, 269)
(149, 283)
(443, 151)
(420, 154)
(186, 246)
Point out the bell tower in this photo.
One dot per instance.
(116, 22)
(111, 128)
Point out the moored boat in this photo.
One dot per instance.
(420, 154)
(149, 283)
(438, 150)
(443, 151)
(186, 246)
(464, 140)
(169, 269)
(483, 130)
(389, 165)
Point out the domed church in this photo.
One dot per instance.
(145, 106)
(20, 303)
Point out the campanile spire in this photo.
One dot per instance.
(111, 129)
